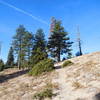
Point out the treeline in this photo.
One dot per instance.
(28, 49)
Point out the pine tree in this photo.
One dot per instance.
(69, 50)
(10, 60)
(29, 41)
(39, 49)
(38, 55)
(19, 45)
(59, 42)
(39, 40)
(23, 44)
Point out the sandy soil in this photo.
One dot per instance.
(17, 85)
(80, 81)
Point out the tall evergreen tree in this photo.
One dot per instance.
(69, 50)
(29, 41)
(22, 44)
(10, 60)
(39, 48)
(59, 42)
(38, 55)
(19, 45)
(39, 40)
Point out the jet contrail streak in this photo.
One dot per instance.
(24, 12)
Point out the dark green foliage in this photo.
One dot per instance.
(69, 53)
(67, 63)
(69, 56)
(46, 93)
(10, 60)
(39, 49)
(22, 44)
(59, 42)
(38, 56)
(1, 65)
(39, 40)
(46, 65)
(29, 38)
(18, 44)
(30, 50)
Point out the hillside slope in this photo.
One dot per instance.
(80, 81)
(18, 85)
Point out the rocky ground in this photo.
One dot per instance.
(80, 81)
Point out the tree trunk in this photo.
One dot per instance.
(58, 57)
(58, 54)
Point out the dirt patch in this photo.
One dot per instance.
(18, 85)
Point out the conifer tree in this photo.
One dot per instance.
(39, 49)
(22, 44)
(29, 41)
(19, 45)
(39, 40)
(38, 55)
(59, 42)
(10, 60)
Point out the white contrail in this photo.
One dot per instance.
(24, 12)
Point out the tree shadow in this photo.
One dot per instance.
(4, 78)
(57, 67)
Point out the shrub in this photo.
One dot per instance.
(67, 63)
(47, 92)
(1, 65)
(43, 66)
(37, 55)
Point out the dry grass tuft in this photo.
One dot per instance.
(77, 85)
(89, 65)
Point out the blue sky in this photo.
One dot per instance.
(85, 13)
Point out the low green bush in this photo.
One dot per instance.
(46, 93)
(67, 63)
(46, 65)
